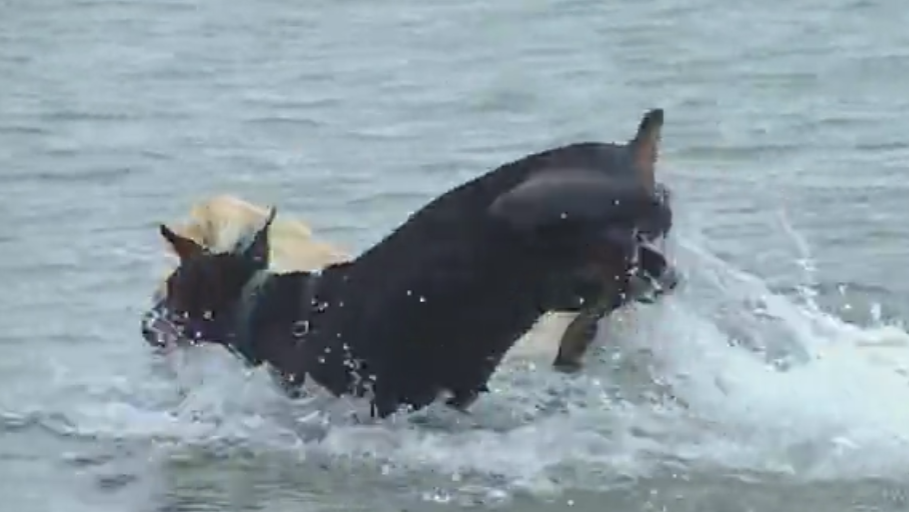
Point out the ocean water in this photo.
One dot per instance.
(774, 380)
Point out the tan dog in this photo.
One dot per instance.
(220, 221)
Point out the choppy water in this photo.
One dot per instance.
(775, 381)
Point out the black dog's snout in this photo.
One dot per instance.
(157, 329)
(163, 327)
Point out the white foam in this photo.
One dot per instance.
(837, 411)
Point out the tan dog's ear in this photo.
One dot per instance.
(184, 247)
(644, 146)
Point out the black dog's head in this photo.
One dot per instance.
(202, 295)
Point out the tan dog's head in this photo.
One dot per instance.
(220, 222)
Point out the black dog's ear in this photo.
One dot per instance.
(184, 247)
(572, 197)
(645, 146)
(259, 248)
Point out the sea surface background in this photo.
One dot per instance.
(774, 380)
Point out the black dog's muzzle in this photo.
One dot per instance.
(162, 328)
(159, 330)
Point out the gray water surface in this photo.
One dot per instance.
(785, 143)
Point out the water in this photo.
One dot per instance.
(774, 381)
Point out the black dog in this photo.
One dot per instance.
(435, 305)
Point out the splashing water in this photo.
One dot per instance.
(804, 393)
(724, 374)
